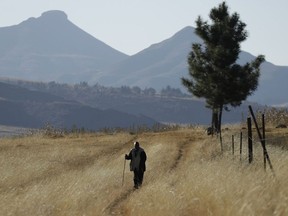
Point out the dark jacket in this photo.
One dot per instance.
(138, 158)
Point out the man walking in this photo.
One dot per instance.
(138, 158)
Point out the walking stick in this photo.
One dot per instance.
(123, 172)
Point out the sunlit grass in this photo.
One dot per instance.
(186, 175)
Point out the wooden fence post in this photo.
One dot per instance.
(250, 143)
(263, 138)
(241, 146)
(266, 155)
(233, 145)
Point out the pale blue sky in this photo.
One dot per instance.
(132, 25)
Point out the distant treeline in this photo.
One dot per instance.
(83, 89)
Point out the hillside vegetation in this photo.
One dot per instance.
(170, 105)
(81, 174)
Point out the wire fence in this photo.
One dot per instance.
(257, 146)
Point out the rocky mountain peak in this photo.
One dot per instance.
(55, 15)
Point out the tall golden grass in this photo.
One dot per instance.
(81, 174)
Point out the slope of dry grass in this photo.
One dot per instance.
(186, 175)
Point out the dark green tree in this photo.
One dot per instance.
(214, 73)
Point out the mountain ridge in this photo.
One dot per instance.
(73, 56)
(148, 62)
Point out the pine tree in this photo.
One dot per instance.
(214, 73)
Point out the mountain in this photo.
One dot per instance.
(273, 88)
(165, 63)
(157, 66)
(33, 109)
(51, 48)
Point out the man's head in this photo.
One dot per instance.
(136, 145)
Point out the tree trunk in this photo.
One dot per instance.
(214, 123)
(219, 125)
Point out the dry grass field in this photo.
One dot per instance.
(81, 174)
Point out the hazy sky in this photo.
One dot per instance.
(132, 25)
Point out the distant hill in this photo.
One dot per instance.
(33, 109)
(51, 48)
(167, 107)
